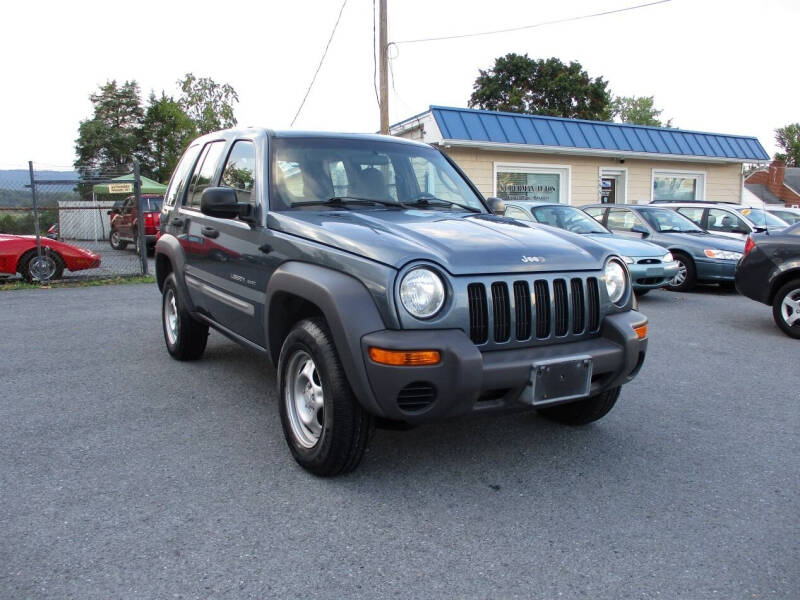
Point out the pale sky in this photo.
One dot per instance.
(713, 65)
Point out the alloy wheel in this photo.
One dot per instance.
(304, 399)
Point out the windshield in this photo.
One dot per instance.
(364, 173)
(665, 220)
(757, 217)
(152, 204)
(569, 218)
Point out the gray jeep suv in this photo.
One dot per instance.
(372, 273)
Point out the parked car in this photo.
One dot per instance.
(790, 215)
(701, 257)
(650, 268)
(736, 221)
(18, 255)
(769, 272)
(374, 275)
(125, 222)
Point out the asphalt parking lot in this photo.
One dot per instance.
(126, 474)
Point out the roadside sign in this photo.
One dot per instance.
(120, 188)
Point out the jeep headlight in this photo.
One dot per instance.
(616, 280)
(422, 292)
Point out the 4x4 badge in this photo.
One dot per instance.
(533, 259)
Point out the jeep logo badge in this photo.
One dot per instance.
(533, 259)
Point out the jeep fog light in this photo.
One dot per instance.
(422, 292)
(616, 280)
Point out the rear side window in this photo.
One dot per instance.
(240, 170)
(517, 213)
(204, 172)
(595, 213)
(177, 184)
(622, 220)
(692, 213)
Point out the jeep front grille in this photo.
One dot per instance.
(538, 310)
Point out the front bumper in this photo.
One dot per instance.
(647, 277)
(715, 270)
(466, 380)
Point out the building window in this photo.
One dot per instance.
(541, 183)
(678, 185)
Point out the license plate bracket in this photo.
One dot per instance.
(560, 379)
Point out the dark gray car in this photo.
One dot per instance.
(372, 274)
(701, 257)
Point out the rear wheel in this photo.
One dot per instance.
(583, 411)
(324, 425)
(786, 308)
(186, 337)
(48, 268)
(116, 242)
(686, 278)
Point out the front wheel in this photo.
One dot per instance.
(786, 309)
(116, 242)
(325, 427)
(584, 411)
(686, 278)
(48, 268)
(186, 337)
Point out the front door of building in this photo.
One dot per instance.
(608, 190)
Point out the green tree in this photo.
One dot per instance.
(208, 103)
(548, 87)
(166, 131)
(639, 110)
(788, 138)
(109, 140)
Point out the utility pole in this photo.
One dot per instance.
(383, 54)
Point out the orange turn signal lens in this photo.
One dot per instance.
(641, 331)
(405, 358)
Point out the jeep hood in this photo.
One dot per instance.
(463, 244)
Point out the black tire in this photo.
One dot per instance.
(116, 243)
(188, 339)
(52, 262)
(584, 411)
(690, 277)
(642, 292)
(791, 293)
(344, 427)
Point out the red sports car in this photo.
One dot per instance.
(18, 255)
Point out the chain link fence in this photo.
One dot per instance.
(77, 224)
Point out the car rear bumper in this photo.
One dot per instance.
(646, 277)
(466, 380)
(716, 270)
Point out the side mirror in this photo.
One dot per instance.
(496, 205)
(640, 229)
(222, 202)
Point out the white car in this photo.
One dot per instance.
(735, 221)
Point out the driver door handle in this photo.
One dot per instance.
(209, 232)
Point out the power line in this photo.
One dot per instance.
(374, 59)
(319, 66)
(542, 24)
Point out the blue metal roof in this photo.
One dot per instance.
(536, 130)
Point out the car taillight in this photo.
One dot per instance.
(148, 218)
(749, 245)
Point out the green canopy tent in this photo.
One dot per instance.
(148, 186)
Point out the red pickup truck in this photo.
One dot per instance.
(125, 222)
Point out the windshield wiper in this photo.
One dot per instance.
(342, 200)
(428, 200)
